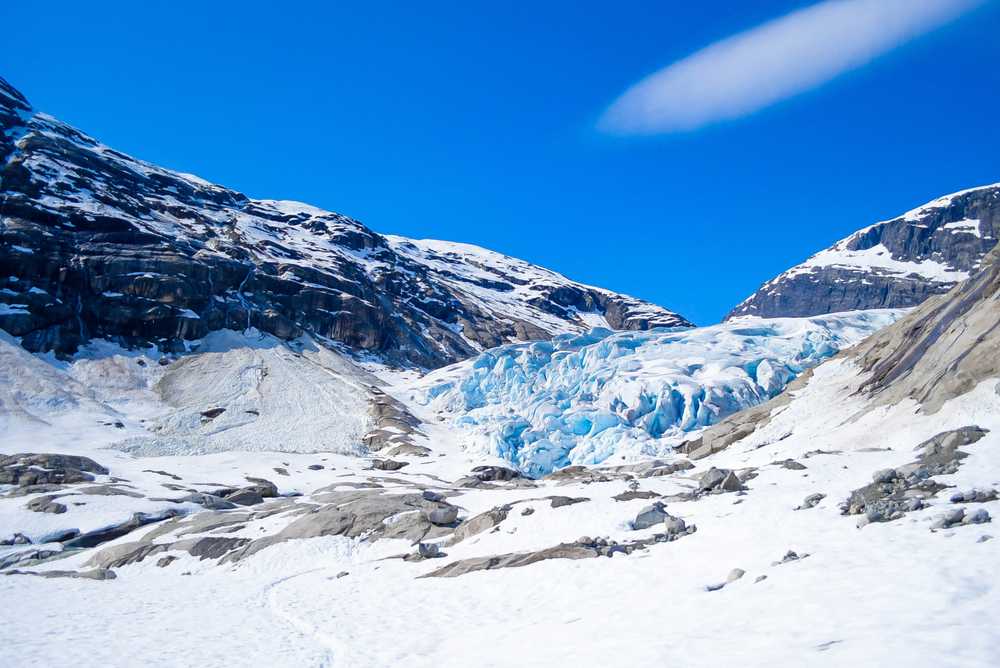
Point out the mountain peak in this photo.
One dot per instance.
(897, 263)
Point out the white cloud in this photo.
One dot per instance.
(774, 61)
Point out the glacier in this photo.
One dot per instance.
(588, 398)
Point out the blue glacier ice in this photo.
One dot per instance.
(587, 398)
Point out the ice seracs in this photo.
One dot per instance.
(586, 398)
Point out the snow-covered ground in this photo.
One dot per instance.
(891, 593)
(245, 392)
(585, 399)
(280, 403)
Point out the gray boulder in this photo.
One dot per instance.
(980, 516)
(266, 488)
(443, 515)
(650, 516)
(560, 501)
(974, 496)
(675, 527)
(46, 504)
(388, 464)
(811, 501)
(209, 547)
(210, 501)
(719, 480)
(949, 519)
(884, 475)
(408, 449)
(495, 473)
(711, 479)
(731, 483)
(429, 550)
(480, 523)
(248, 496)
(790, 556)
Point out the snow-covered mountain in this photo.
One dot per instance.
(209, 472)
(94, 243)
(897, 263)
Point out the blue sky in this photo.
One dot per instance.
(476, 122)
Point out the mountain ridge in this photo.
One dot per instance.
(97, 244)
(895, 263)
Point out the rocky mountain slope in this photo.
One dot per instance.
(893, 264)
(94, 243)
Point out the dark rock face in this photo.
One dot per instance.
(29, 469)
(495, 473)
(894, 264)
(94, 243)
(46, 504)
(98, 536)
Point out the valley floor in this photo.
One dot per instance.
(892, 593)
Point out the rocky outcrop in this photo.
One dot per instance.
(584, 548)
(894, 492)
(30, 469)
(480, 523)
(514, 560)
(650, 516)
(941, 350)
(958, 517)
(893, 264)
(99, 536)
(94, 243)
(370, 514)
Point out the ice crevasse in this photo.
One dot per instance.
(588, 398)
